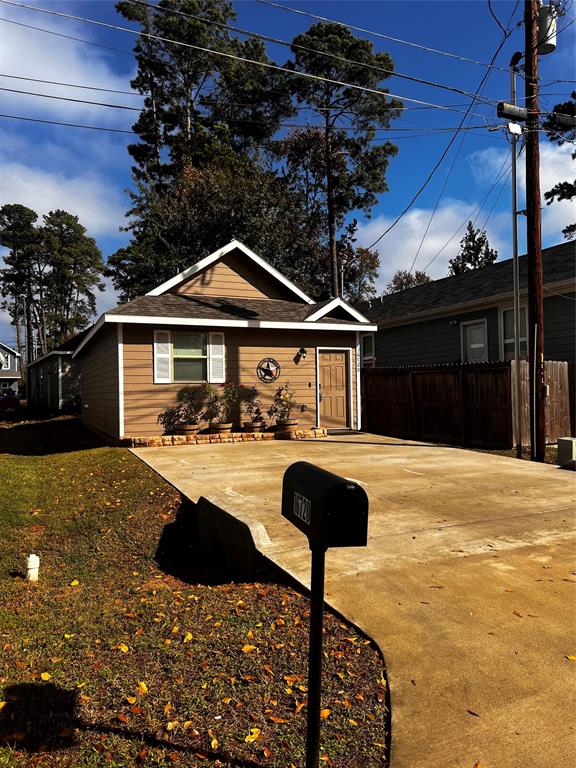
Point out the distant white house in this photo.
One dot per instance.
(9, 368)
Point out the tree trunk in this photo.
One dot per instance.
(330, 207)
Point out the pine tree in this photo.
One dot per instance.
(564, 190)
(475, 252)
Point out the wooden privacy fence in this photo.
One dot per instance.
(469, 405)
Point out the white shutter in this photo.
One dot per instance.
(216, 364)
(162, 357)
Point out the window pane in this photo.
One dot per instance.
(367, 346)
(509, 350)
(189, 344)
(523, 322)
(188, 369)
(508, 316)
(475, 336)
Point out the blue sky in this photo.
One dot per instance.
(88, 172)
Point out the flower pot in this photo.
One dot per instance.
(287, 423)
(254, 426)
(187, 429)
(220, 427)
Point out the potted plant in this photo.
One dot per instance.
(184, 418)
(252, 407)
(282, 406)
(219, 406)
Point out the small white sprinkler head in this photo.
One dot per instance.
(32, 567)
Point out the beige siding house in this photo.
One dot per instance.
(220, 321)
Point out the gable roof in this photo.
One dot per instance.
(66, 348)
(219, 254)
(480, 285)
(13, 351)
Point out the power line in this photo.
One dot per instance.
(66, 125)
(476, 212)
(380, 35)
(446, 149)
(327, 54)
(69, 85)
(267, 65)
(69, 98)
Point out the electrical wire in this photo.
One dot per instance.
(69, 85)
(475, 212)
(267, 65)
(291, 46)
(69, 98)
(66, 125)
(379, 34)
(446, 149)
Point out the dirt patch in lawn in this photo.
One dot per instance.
(111, 661)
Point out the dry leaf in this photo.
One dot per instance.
(299, 705)
(187, 637)
(46, 676)
(131, 699)
(276, 719)
(3, 704)
(324, 713)
(122, 647)
(74, 583)
(142, 688)
(253, 735)
(213, 739)
(571, 658)
(248, 648)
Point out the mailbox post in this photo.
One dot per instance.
(332, 512)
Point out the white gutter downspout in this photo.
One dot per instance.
(358, 389)
(120, 380)
(59, 382)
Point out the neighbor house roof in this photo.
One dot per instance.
(13, 351)
(477, 286)
(66, 348)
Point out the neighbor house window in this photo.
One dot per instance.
(474, 342)
(188, 357)
(507, 330)
(368, 355)
(4, 362)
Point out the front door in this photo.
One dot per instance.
(333, 390)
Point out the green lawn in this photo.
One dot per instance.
(111, 660)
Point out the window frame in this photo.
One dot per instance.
(367, 359)
(7, 366)
(501, 337)
(479, 321)
(215, 343)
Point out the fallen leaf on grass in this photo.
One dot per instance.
(142, 688)
(299, 705)
(187, 637)
(213, 740)
(324, 713)
(253, 735)
(278, 720)
(131, 699)
(74, 583)
(3, 704)
(45, 676)
(122, 647)
(122, 718)
(248, 648)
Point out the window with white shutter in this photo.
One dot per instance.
(217, 369)
(162, 358)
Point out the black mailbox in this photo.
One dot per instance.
(330, 510)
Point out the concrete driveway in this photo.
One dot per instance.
(467, 585)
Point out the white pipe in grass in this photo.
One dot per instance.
(32, 567)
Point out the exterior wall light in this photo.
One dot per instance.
(302, 353)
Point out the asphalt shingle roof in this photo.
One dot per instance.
(559, 263)
(219, 308)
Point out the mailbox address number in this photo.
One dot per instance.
(302, 507)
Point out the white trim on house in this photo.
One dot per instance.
(350, 414)
(334, 304)
(358, 390)
(49, 354)
(13, 351)
(120, 381)
(479, 321)
(207, 323)
(213, 257)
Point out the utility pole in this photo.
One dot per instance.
(534, 237)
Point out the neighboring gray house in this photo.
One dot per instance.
(54, 378)
(9, 368)
(469, 317)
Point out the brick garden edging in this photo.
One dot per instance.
(231, 437)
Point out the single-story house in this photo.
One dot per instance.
(469, 317)
(231, 317)
(9, 368)
(54, 378)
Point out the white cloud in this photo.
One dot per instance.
(99, 206)
(398, 249)
(41, 55)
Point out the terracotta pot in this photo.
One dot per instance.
(221, 426)
(254, 426)
(187, 429)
